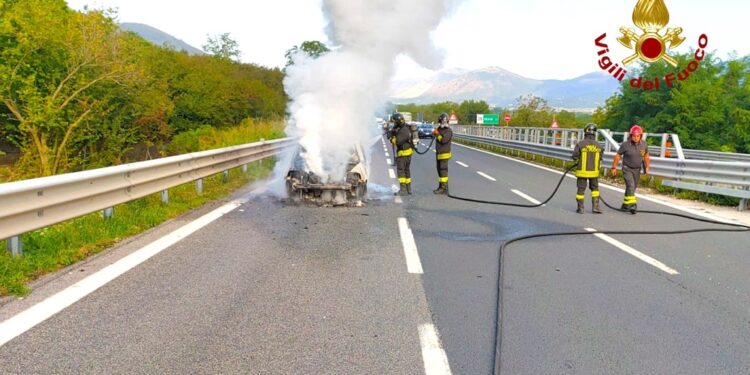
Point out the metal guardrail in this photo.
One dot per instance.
(729, 178)
(37, 203)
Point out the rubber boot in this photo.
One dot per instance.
(437, 191)
(580, 206)
(442, 189)
(402, 191)
(408, 189)
(595, 203)
(633, 208)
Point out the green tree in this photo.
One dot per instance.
(312, 48)
(531, 111)
(223, 47)
(469, 109)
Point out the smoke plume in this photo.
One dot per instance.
(334, 98)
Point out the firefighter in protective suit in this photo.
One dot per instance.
(443, 136)
(401, 137)
(588, 154)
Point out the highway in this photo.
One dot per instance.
(406, 286)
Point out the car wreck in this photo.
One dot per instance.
(306, 186)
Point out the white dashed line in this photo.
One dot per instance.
(413, 265)
(462, 164)
(398, 199)
(486, 176)
(433, 355)
(391, 173)
(388, 161)
(524, 196)
(634, 252)
(40, 312)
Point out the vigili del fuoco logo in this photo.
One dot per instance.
(650, 45)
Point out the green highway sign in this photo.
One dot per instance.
(488, 119)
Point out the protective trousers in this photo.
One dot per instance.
(593, 185)
(442, 170)
(632, 176)
(403, 164)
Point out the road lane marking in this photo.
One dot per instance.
(40, 312)
(413, 265)
(462, 164)
(486, 176)
(391, 173)
(387, 155)
(613, 188)
(398, 199)
(389, 161)
(634, 252)
(524, 196)
(433, 355)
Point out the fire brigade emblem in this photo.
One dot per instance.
(651, 16)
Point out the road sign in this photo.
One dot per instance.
(554, 124)
(453, 120)
(489, 119)
(507, 117)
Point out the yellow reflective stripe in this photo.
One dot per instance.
(404, 153)
(402, 180)
(580, 197)
(583, 163)
(440, 138)
(393, 140)
(407, 180)
(444, 156)
(629, 199)
(443, 179)
(587, 174)
(595, 194)
(596, 161)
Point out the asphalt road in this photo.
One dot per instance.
(275, 288)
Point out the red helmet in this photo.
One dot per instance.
(636, 130)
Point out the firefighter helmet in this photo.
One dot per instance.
(443, 118)
(636, 130)
(590, 129)
(398, 119)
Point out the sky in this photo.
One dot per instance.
(539, 39)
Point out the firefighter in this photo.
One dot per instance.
(401, 138)
(634, 155)
(588, 155)
(443, 136)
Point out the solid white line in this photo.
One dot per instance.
(388, 161)
(524, 196)
(398, 199)
(433, 355)
(610, 187)
(413, 265)
(391, 173)
(486, 176)
(40, 312)
(462, 164)
(387, 155)
(634, 252)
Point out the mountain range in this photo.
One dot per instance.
(160, 38)
(499, 87)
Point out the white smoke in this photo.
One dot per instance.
(335, 97)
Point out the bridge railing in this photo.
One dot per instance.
(37, 203)
(728, 178)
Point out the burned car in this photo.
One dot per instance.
(306, 186)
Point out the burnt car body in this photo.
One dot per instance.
(302, 185)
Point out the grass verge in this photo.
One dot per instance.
(50, 249)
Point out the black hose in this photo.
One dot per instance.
(496, 359)
(416, 149)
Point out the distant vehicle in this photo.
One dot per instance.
(425, 130)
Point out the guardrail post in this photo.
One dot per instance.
(109, 212)
(165, 196)
(664, 137)
(743, 205)
(199, 186)
(244, 168)
(225, 176)
(15, 245)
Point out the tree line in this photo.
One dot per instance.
(78, 92)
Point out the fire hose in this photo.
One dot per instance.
(496, 360)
